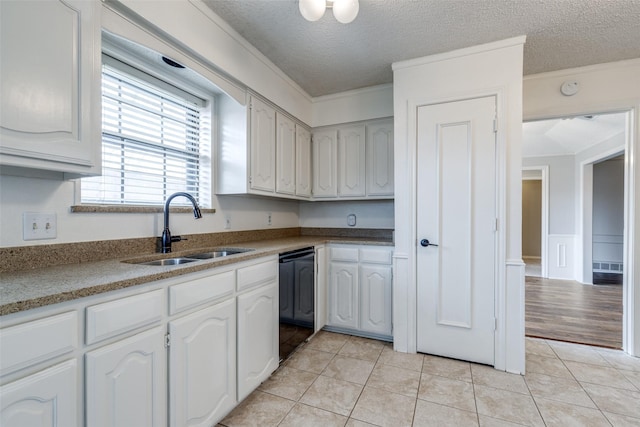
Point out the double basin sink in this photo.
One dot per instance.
(194, 257)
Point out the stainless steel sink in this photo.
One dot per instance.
(168, 261)
(217, 253)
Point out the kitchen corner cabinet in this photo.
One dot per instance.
(360, 281)
(50, 85)
(352, 162)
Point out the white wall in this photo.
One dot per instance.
(369, 214)
(352, 106)
(606, 87)
(562, 191)
(19, 195)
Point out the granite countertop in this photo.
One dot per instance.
(27, 289)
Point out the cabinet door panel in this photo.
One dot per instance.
(351, 161)
(126, 382)
(380, 159)
(375, 299)
(263, 146)
(45, 399)
(325, 160)
(202, 369)
(258, 354)
(286, 293)
(303, 293)
(322, 298)
(343, 295)
(285, 155)
(49, 82)
(303, 162)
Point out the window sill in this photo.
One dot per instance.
(133, 209)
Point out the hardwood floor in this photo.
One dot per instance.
(570, 311)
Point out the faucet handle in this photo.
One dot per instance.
(178, 238)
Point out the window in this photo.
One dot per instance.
(154, 140)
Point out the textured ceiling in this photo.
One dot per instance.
(569, 136)
(326, 57)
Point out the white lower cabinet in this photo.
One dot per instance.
(126, 382)
(220, 327)
(343, 295)
(258, 353)
(202, 366)
(360, 279)
(375, 298)
(44, 399)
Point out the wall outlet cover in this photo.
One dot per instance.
(351, 220)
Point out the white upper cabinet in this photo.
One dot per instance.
(380, 158)
(303, 162)
(354, 161)
(325, 162)
(50, 85)
(272, 160)
(351, 161)
(263, 146)
(285, 155)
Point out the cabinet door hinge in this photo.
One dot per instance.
(167, 341)
(495, 324)
(495, 124)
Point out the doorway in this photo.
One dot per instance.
(562, 303)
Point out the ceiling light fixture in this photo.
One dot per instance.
(345, 11)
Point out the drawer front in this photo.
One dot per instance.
(117, 317)
(254, 275)
(201, 291)
(376, 256)
(344, 254)
(34, 342)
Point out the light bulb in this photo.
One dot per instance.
(345, 11)
(312, 10)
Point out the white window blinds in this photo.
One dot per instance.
(150, 140)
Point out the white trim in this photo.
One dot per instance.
(483, 48)
(544, 220)
(586, 69)
(353, 92)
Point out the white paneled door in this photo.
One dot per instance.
(456, 229)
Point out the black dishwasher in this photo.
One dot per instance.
(297, 298)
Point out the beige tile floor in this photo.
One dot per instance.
(339, 380)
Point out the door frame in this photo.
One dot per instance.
(631, 286)
(544, 218)
(584, 253)
(502, 264)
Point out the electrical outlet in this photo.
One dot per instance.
(269, 218)
(351, 220)
(227, 222)
(38, 226)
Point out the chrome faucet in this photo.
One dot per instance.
(167, 239)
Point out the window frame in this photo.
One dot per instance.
(160, 78)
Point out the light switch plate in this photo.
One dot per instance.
(39, 226)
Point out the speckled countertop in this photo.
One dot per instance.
(27, 289)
